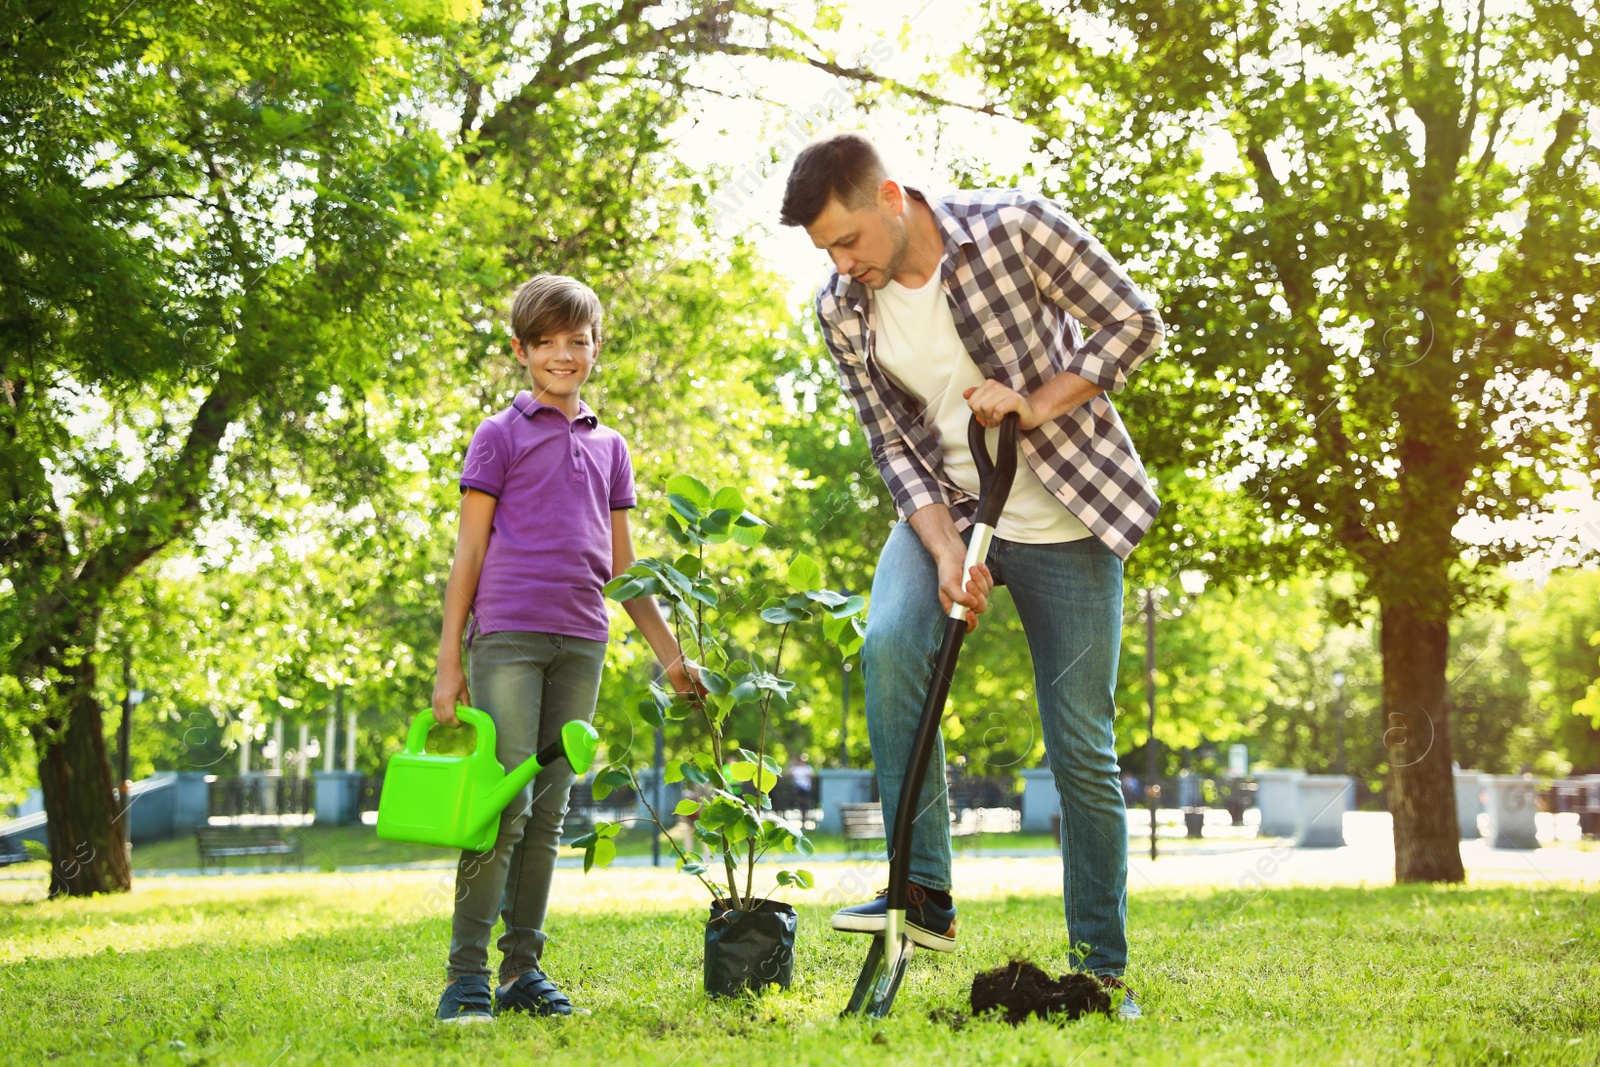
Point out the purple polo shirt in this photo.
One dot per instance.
(549, 552)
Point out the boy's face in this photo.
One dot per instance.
(559, 361)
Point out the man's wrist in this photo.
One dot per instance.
(936, 529)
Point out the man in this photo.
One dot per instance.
(938, 308)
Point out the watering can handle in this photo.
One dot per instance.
(417, 739)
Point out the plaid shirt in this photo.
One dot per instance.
(1020, 276)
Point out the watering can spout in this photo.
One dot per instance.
(576, 745)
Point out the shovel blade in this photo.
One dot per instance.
(880, 980)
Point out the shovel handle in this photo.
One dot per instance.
(994, 475)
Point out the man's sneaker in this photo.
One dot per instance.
(1129, 1008)
(466, 1000)
(535, 994)
(927, 924)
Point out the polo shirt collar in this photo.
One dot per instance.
(529, 406)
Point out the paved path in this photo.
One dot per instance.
(1234, 860)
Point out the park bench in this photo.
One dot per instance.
(1579, 797)
(583, 810)
(12, 850)
(864, 822)
(219, 843)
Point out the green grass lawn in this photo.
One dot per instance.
(346, 968)
(333, 847)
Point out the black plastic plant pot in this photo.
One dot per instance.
(749, 949)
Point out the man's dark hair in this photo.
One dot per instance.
(844, 167)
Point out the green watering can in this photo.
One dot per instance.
(456, 801)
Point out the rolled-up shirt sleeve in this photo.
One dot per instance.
(910, 483)
(1073, 270)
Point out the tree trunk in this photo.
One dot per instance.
(1416, 734)
(88, 850)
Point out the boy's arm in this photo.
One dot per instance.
(450, 682)
(645, 612)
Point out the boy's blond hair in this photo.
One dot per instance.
(548, 303)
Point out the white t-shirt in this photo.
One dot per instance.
(919, 348)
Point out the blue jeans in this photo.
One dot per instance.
(1069, 598)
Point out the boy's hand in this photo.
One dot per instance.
(449, 689)
(682, 683)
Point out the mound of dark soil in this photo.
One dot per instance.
(1021, 989)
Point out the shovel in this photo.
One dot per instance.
(456, 801)
(891, 950)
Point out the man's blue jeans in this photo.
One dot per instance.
(1069, 598)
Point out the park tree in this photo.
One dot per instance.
(203, 206)
(232, 235)
(1376, 235)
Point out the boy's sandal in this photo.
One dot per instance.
(536, 994)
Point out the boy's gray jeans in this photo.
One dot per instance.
(531, 684)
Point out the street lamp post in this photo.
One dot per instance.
(844, 704)
(844, 715)
(1152, 791)
(1193, 583)
(1338, 714)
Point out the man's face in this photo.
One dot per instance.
(869, 244)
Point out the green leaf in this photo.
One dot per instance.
(609, 779)
(585, 841)
(674, 772)
(693, 490)
(825, 597)
(850, 608)
(676, 531)
(748, 530)
(716, 682)
(805, 879)
(832, 626)
(686, 807)
(728, 499)
(689, 564)
(780, 615)
(719, 813)
(804, 574)
(684, 506)
(601, 855)
(650, 712)
(622, 587)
